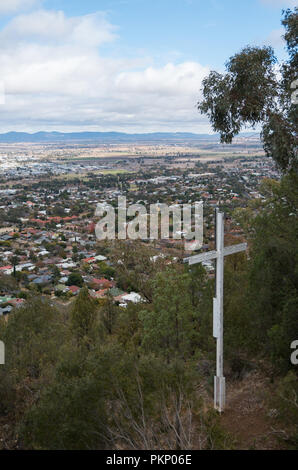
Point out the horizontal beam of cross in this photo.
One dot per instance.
(230, 250)
(209, 255)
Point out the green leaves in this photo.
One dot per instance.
(83, 318)
(70, 414)
(75, 279)
(170, 323)
(273, 277)
(243, 95)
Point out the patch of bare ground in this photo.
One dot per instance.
(247, 416)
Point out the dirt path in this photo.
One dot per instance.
(246, 417)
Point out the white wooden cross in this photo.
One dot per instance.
(219, 254)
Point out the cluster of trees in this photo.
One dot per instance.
(100, 376)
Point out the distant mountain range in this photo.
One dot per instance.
(52, 137)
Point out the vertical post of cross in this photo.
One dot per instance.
(219, 380)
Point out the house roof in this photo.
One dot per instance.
(132, 297)
(43, 279)
(100, 293)
(74, 289)
(88, 260)
(17, 302)
(102, 280)
(4, 300)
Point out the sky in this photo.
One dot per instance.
(121, 65)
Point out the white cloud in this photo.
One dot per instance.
(168, 80)
(57, 78)
(11, 6)
(53, 26)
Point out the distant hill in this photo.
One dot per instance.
(48, 137)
